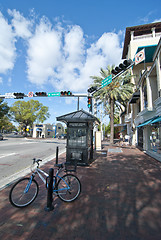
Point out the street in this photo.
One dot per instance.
(16, 155)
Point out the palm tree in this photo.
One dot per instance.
(117, 93)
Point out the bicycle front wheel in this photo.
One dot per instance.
(68, 188)
(23, 192)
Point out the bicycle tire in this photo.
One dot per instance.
(18, 197)
(74, 185)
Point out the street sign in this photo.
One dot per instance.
(106, 81)
(9, 95)
(54, 94)
(30, 94)
(140, 56)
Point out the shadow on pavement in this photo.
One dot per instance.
(120, 200)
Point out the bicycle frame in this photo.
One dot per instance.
(40, 172)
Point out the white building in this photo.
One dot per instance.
(43, 131)
(143, 116)
(47, 130)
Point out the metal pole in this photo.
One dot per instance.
(50, 206)
(78, 104)
(57, 150)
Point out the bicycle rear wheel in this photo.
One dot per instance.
(23, 192)
(68, 188)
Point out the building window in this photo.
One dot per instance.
(155, 138)
(77, 137)
(140, 137)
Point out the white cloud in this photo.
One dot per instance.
(20, 24)
(1, 80)
(157, 20)
(57, 56)
(81, 63)
(101, 53)
(7, 46)
(74, 44)
(43, 53)
(9, 81)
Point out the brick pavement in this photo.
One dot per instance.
(120, 200)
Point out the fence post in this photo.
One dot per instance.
(50, 206)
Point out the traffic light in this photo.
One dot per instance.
(123, 66)
(41, 94)
(19, 95)
(65, 93)
(89, 103)
(92, 89)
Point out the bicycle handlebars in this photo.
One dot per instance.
(36, 161)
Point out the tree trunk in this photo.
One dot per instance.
(112, 120)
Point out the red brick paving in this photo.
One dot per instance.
(120, 200)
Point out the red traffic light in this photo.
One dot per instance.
(41, 94)
(89, 102)
(65, 93)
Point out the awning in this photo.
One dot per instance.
(149, 52)
(147, 122)
(39, 129)
(158, 119)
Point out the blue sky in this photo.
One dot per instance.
(51, 45)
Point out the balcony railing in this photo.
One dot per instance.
(146, 36)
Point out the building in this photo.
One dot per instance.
(59, 129)
(143, 115)
(47, 130)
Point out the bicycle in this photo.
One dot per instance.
(25, 190)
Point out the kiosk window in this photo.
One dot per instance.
(77, 137)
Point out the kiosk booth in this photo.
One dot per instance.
(79, 136)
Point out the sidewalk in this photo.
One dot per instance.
(120, 200)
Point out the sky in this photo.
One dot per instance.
(57, 45)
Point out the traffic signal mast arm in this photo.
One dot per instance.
(118, 71)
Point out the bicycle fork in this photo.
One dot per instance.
(28, 185)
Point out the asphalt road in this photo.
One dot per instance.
(16, 155)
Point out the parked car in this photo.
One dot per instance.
(62, 136)
(1, 136)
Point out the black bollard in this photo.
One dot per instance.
(50, 206)
(57, 150)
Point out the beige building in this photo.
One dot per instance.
(47, 130)
(143, 115)
(43, 131)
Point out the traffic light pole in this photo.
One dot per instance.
(78, 104)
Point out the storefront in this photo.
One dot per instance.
(149, 137)
(155, 136)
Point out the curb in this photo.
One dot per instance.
(13, 178)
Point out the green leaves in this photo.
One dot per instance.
(115, 95)
(4, 108)
(4, 116)
(27, 113)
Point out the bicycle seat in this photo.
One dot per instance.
(59, 165)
